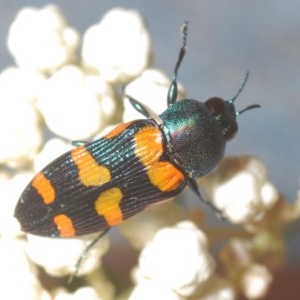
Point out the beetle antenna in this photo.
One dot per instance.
(172, 93)
(241, 88)
(247, 108)
(239, 92)
(184, 33)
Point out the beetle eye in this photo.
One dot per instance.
(215, 105)
(224, 113)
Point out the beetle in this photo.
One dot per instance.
(99, 184)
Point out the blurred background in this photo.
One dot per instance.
(226, 38)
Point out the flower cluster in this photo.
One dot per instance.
(52, 89)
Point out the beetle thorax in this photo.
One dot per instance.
(194, 138)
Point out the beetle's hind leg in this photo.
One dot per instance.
(85, 252)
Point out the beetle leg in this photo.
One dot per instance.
(85, 252)
(194, 187)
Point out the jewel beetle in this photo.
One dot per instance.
(101, 183)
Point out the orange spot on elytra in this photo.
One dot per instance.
(44, 188)
(149, 149)
(165, 176)
(65, 226)
(108, 206)
(148, 145)
(90, 173)
(119, 129)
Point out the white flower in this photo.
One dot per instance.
(177, 259)
(20, 84)
(53, 148)
(240, 189)
(150, 89)
(41, 39)
(82, 293)
(19, 120)
(20, 133)
(59, 256)
(17, 274)
(149, 290)
(142, 227)
(118, 48)
(256, 282)
(10, 191)
(76, 105)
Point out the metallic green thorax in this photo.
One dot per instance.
(197, 136)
